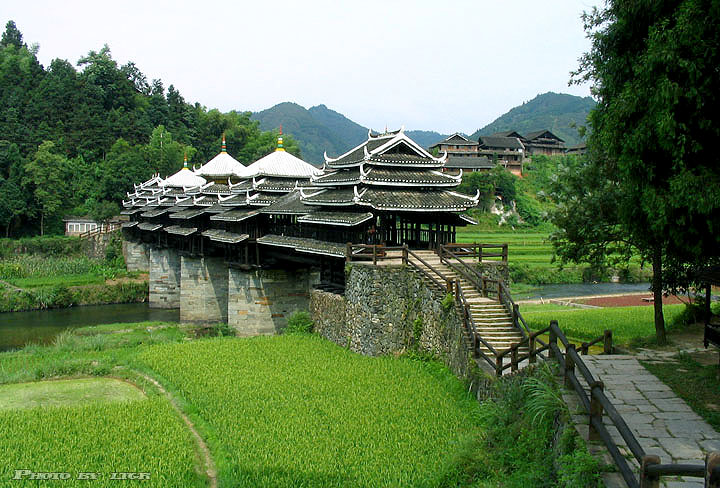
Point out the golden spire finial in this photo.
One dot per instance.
(185, 160)
(280, 141)
(223, 148)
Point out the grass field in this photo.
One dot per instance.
(292, 410)
(628, 324)
(524, 247)
(301, 411)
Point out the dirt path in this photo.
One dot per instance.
(210, 469)
(10, 285)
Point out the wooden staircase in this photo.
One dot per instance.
(493, 322)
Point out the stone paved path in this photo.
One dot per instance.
(662, 423)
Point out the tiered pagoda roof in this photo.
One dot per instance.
(387, 172)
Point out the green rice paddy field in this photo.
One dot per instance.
(291, 410)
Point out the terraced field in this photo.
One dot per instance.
(531, 248)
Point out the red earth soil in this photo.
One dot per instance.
(630, 300)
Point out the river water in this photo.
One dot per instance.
(41, 326)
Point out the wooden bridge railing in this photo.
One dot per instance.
(101, 229)
(597, 405)
(484, 252)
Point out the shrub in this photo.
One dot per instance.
(299, 323)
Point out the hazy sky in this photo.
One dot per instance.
(436, 65)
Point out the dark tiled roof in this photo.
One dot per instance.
(301, 244)
(404, 160)
(385, 175)
(173, 191)
(217, 188)
(270, 183)
(541, 133)
(220, 235)
(216, 209)
(206, 200)
(508, 133)
(155, 212)
(343, 196)
(180, 231)
(262, 199)
(502, 143)
(471, 162)
(131, 211)
(186, 203)
(415, 200)
(127, 225)
(149, 226)
(347, 219)
(235, 200)
(235, 215)
(456, 139)
(188, 214)
(358, 154)
(242, 186)
(341, 177)
(289, 204)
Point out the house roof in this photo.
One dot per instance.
(508, 133)
(530, 136)
(500, 142)
(472, 163)
(279, 163)
(221, 166)
(455, 139)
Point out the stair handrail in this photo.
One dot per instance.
(469, 323)
(407, 253)
(471, 274)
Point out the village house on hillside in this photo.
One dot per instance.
(508, 149)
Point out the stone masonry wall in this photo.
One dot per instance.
(203, 290)
(260, 301)
(388, 309)
(164, 278)
(137, 256)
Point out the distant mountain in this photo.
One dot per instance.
(319, 129)
(553, 111)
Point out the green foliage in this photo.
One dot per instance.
(74, 141)
(448, 302)
(321, 416)
(417, 330)
(514, 448)
(628, 324)
(299, 323)
(558, 112)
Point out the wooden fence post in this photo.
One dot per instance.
(514, 356)
(484, 287)
(607, 343)
(348, 252)
(647, 480)
(584, 348)
(480, 252)
(569, 366)
(596, 409)
(553, 339)
(505, 253)
(532, 359)
(374, 248)
(712, 461)
(405, 254)
(498, 366)
(515, 314)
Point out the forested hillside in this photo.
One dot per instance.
(75, 137)
(319, 129)
(559, 112)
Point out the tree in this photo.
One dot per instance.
(12, 203)
(653, 66)
(12, 36)
(47, 174)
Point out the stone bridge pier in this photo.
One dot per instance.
(203, 289)
(164, 278)
(137, 256)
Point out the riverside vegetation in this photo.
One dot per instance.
(54, 272)
(281, 411)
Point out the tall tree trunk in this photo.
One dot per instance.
(42, 218)
(657, 285)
